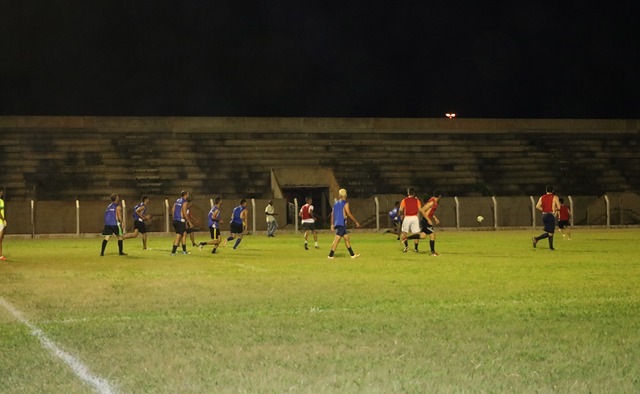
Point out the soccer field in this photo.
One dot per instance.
(491, 314)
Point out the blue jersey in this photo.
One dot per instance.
(177, 211)
(338, 213)
(110, 217)
(393, 214)
(214, 217)
(135, 211)
(237, 211)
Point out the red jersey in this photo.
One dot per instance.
(305, 212)
(432, 210)
(547, 202)
(564, 212)
(410, 206)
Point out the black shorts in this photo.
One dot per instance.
(112, 230)
(426, 227)
(236, 228)
(215, 233)
(563, 223)
(309, 226)
(549, 222)
(140, 226)
(181, 227)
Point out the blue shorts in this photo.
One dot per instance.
(341, 231)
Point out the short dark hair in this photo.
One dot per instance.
(549, 189)
(411, 191)
(561, 200)
(114, 196)
(184, 193)
(242, 201)
(217, 200)
(144, 197)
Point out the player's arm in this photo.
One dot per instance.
(332, 226)
(244, 216)
(185, 206)
(140, 213)
(119, 214)
(348, 212)
(424, 210)
(539, 204)
(556, 205)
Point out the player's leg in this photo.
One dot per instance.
(315, 239)
(334, 245)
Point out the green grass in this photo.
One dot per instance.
(491, 314)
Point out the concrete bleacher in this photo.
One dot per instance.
(56, 158)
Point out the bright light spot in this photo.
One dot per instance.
(450, 116)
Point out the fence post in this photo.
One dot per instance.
(124, 216)
(457, 211)
(253, 215)
(295, 214)
(33, 219)
(571, 207)
(608, 206)
(533, 210)
(167, 213)
(375, 199)
(78, 217)
(495, 211)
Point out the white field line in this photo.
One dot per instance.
(250, 267)
(79, 369)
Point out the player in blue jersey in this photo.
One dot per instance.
(238, 223)
(338, 222)
(180, 222)
(140, 218)
(396, 221)
(214, 221)
(113, 224)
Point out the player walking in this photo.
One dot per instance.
(549, 204)
(214, 221)
(338, 222)
(308, 222)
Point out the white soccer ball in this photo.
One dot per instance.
(480, 219)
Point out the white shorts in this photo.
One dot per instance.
(411, 224)
(1, 225)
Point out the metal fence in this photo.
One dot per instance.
(86, 217)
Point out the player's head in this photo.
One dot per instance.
(561, 200)
(184, 194)
(411, 191)
(114, 197)
(549, 189)
(217, 200)
(144, 198)
(342, 193)
(243, 202)
(270, 202)
(309, 200)
(397, 204)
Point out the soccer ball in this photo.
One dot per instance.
(480, 219)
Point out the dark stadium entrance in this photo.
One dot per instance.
(321, 203)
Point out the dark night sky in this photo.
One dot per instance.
(485, 59)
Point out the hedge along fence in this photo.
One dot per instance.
(86, 217)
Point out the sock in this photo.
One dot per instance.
(230, 239)
(350, 251)
(104, 245)
(237, 243)
(551, 242)
(184, 247)
(416, 246)
(543, 236)
(214, 249)
(433, 246)
(120, 246)
(331, 253)
(316, 243)
(305, 242)
(175, 247)
(202, 243)
(406, 244)
(414, 236)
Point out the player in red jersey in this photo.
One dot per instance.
(409, 208)
(549, 205)
(308, 222)
(564, 217)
